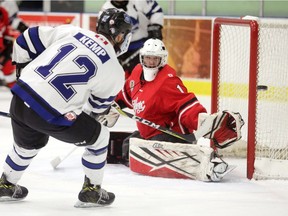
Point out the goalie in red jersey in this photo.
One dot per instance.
(7, 36)
(157, 94)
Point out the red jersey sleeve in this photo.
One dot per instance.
(185, 104)
(4, 22)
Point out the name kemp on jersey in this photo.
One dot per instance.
(93, 46)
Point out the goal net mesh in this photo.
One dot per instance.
(271, 114)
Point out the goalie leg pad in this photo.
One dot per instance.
(170, 160)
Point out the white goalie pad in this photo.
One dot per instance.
(170, 160)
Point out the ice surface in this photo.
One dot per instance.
(54, 192)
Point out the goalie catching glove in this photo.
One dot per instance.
(224, 127)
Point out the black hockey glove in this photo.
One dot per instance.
(155, 31)
(22, 27)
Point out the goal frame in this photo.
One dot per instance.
(253, 25)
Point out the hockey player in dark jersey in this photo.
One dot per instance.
(70, 76)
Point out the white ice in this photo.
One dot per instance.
(54, 192)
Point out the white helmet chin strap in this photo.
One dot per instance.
(150, 73)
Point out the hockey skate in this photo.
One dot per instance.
(11, 192)
(93, 196)
(220, 170)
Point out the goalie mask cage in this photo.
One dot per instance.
(250, 76)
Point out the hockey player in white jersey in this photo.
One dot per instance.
(70, 75)
(147, 18)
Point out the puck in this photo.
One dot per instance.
(262, 87)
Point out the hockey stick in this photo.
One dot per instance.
(191, 138)
(57, 160)
(4, 114)
(127, 60)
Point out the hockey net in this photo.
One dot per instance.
(250, 76)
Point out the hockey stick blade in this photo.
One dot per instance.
(187, 137)
(57, 160)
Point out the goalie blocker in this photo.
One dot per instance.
(176, 160)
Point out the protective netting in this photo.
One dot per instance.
(271, 131)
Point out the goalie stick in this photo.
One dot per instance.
(223, 128)
(191, 138)
(187, 137)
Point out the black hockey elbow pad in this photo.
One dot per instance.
(155, 31)
(22, 27)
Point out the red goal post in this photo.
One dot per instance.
(249, 75)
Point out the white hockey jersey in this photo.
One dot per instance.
(142, 14)
(70, 69)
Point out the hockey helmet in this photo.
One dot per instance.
(113, 22)
(153, 47)
(120, 4)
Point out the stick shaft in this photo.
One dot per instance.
(4, 114)
(187, 137)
